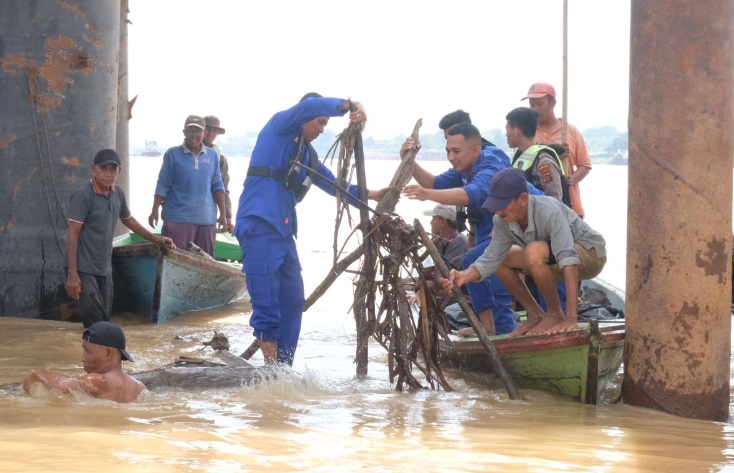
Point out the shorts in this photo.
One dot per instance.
(589, 266)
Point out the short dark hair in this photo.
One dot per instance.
(453, 118)
(467, 130)
(524, 118)
(310, 95)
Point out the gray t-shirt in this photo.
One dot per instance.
(98, 215)
(548, 220)
(456, 249)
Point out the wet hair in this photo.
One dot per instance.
(310, 95)
(467, 130)
(453, 118)
(524, 118)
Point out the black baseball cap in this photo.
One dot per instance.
(109, 335)
(107, 156)
(213, 122)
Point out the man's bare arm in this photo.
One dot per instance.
(455, 196)
(73, 284)
(60, 381)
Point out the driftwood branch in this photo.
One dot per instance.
(364, 316)
(386, 206)
(402, 176)
(494, 356)
(233, 360)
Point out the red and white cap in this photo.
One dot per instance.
(540, 89)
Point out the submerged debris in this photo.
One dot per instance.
(218, 342)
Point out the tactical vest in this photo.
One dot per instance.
(290, 177)
(526, 161)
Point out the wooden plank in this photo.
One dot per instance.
(233, 360)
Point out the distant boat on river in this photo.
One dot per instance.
(151, 149)
(619, 158)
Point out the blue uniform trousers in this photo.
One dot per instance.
(275, 285)
(490, 293)
(561, 287)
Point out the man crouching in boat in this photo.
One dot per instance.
(104, 350)
(542, 237)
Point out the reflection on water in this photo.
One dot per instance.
(319, 416)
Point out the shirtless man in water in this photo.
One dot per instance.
(542, 237)
(104, 350)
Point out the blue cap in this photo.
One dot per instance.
(505, 186)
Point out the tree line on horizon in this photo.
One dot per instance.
(602, 142)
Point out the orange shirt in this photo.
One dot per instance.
(578, 156)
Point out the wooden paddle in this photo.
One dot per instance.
(564, 103)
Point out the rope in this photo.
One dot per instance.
(33, 87)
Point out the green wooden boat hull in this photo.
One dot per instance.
(580, 363)
(226, 246)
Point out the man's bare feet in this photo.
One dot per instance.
(466, 332)
(525, 327)
(565, 326)
(548, 322)
(469, 332)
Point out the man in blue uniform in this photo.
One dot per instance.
(266, 217)
(467, 184)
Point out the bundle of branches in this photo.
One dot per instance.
(410, 341)
(389, 247)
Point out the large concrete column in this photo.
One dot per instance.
(124, 112)
(679, 229)
(58, 107)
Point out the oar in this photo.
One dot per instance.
(564, 103)
(494, 356)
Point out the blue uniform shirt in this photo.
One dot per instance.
(490, 162)
(267, 198)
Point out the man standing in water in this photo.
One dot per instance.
(191, 186)
(542, 99)
(266, 224)
(104, 350)
(94, 210)
(540, 236)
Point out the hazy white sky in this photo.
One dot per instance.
(403, 59)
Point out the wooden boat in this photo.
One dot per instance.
(579, 363)
(151, 149)
(226, 246)
(158, 282)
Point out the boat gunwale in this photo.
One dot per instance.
(530, 343)
(177, 254)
